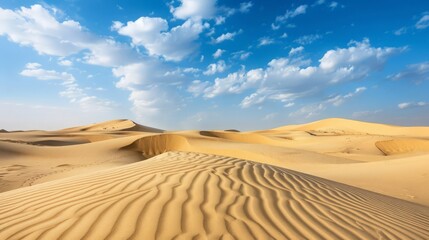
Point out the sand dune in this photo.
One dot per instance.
(119, 179)
(115, 125)
(191, 195)
(340, 126)
(400, 146)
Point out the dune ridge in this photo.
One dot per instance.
(179, 195)
(115, 125)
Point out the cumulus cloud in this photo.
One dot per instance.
(214, 68)
(423, 22)
(153, 35)
(415, 72)
(195, 9)
(151, 89)
(406, 105)
(38, 28)
(197, 87)
(218, 53)
(265, 41)
(225, 37)
(308, 39)
(400, 31)
(308, 111)
(340, 99)
(245, 7)
(65, 62)
(242, 55)
(72, 90)
(35, 70)
(333, 5)
(286, 79)
(292, 13)
(295, 51)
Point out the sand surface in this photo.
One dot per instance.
(331, 179)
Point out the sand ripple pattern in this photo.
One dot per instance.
(180, 195)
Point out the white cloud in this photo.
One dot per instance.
(191, 70)
(225, 37)
(286, 79)
(116, 25)
(245, 7)
(290, 104)
(233, 83)
(339, 99)
(38, 28)
(292, 13)
(406, 105)
(400, 31)
(308, 39)
(333, 5)
(218, 53)
(319, 2)
(195, 9)
(197, 87)
(308, 111)
(423, 22)
(218, 21)
(242, 55)
(35, 70)
(414, 72)
(295, 51)
(140, 74)
(275, 26)
(151, 89)
(284, 35)
(153, 34)
(265, 41)
(214, 68)
(72, 91)
(32, 65)
(66, 63)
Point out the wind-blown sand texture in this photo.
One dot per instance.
(332, 179)
(191, 195)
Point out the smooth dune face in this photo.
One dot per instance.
(400, 146)
(191, 195)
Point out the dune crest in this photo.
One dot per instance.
(191, 195)
(115, 125)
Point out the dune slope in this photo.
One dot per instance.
(190, 195)
(115, 125)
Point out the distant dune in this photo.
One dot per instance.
(115, 125)
(330, 179)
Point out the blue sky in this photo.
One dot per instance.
(187, 64)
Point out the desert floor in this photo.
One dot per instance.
(331, 179)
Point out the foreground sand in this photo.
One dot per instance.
(118, 179)
(197, 196)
